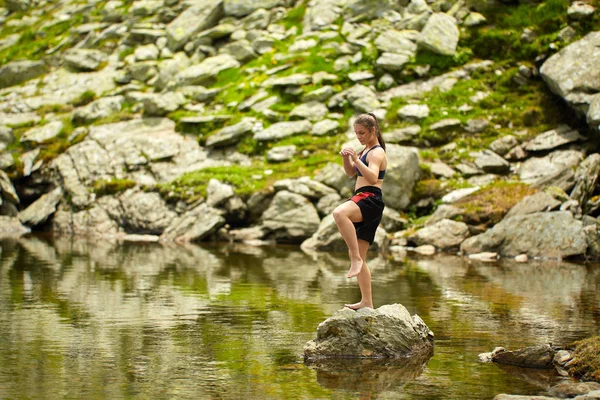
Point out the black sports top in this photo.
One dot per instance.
(364, 160)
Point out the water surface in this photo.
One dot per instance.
(96, 319)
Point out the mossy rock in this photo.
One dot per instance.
(586, 360)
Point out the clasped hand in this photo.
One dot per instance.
(349, 152)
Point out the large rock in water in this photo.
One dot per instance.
(529, 357)
(553, 234)
(386, 332)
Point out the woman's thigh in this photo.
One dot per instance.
(349, 209)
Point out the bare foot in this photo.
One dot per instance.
(355, 267)
(357, 306)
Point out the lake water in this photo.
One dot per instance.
(92, 319)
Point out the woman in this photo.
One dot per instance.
(358, 218)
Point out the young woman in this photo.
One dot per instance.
(358, 218)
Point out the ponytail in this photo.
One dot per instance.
(369, 121)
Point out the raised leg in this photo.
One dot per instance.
(364, 280)
(344, 216)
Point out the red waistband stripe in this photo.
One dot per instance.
(361, 195)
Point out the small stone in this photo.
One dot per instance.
(486, 257)
(426, 250)
(522, 258)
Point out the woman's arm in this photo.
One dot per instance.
(371, 172)
(347, 155)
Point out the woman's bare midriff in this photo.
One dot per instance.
(361, 181)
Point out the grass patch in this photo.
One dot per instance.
(586, 360)
(84, 98)
(490, 204)
(106, 187)
(295, 17)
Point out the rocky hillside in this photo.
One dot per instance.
(222, 120)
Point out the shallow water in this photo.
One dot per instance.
(95, 319)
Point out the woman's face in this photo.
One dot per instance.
(363, 134)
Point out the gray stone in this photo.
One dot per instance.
(304, 186)
(281, 153)
(360, 76)
(43, 133)
(444, 211)
(392, 61)
(593, 114)
(16, 72)
(445, 124)
(232, 134)
(401, 175)
(393, 41)
(554, 138)
(145, 212)
(321, 94)
(413, 112)
(476, 125)
(7, 190)
(326, 238)
(328, 203)
(325, 127)
(579, 10)
(201, 15)
(586, 178)
(218, 192)
(548, 235)
(440, 169)
(362, 98)
(575, 389)
(536, 168)
(440, 34)
(312, 111)
(572, 74)
(28, 159)
(207, 69)
(143, 71)
(387, 332)
(240, 8)
(474, 19)
(290, 80)
(6, 161)
(145, 8)
(6, 137)
(241, 50)
(504, 144)
(401, 135)
(159, 104)
(195, 224)
(19, 119)
(445, 234)
(538, 202)
(302, 45)
(11, 227)
(85, 59)
(529, 357)
(281, 130)
(392, 220)
(333, 175)
(290, 218)
(100, 108)
(39, 211)
(492, 163)
(458, 194)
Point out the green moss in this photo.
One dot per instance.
(105, 187)
(427, 188)
(491, 203)
(295, 17)
(586, 360)
(84, 98)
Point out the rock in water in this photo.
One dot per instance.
(386, 332)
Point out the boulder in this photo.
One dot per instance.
(16, 72)
(281, 130)
(586, 177)
(232, 134)
(39, 211)
(7, 190)
(201, 15)
(492, 163)
(85, 59)
(94, 221)
(206, 70)
(386, 332)
(304, 186)
(325, 127)
(530, 357)
(12, 227)
(333, 175)
(281, 153)
(218, 193)
(440, 34)
(572, 74)
(392, 61)
(402, 173)
(413, 112)
(445, 234)
(241, 8)
(549, 235)
(539, 168)
(100, 108)
(538, 202)
(312, 111)
(554, 138)
(393, 41)
(195, 224)
(159, 104)
(328, 238)
(145, 212)
(43, 133)
(290, 218)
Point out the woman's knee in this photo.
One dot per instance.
(338, 213)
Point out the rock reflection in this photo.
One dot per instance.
(368, 375)
(542, 378)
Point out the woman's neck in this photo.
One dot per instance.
(372, 144)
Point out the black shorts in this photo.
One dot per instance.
(370, 201)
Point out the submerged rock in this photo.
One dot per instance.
(386, 332)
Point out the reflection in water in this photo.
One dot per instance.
(97, 319)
